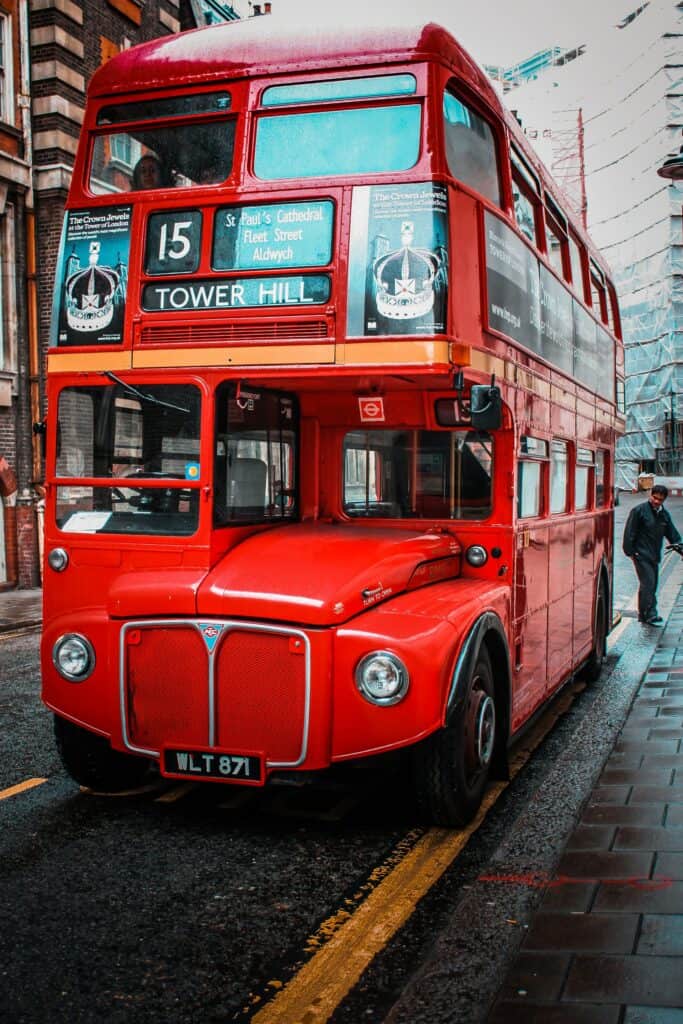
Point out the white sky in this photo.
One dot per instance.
(494, 31)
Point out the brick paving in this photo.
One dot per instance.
(606, 944)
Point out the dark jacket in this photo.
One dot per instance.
(645, 530)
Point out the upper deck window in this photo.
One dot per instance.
(598, 296)
(339, 89)
(158, 110)
(150, 156)
(525, 195)
(577, 259)
(556, 237)
(471, 148)
(362, 140)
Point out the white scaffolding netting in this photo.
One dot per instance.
(629, 88)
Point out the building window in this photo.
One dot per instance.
(6, 92)
(8, 306)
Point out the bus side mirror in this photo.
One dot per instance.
(486, 407)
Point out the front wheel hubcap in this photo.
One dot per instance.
(486, 731)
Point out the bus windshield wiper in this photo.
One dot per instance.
(141, 395)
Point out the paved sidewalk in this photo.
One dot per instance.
(20, 609)
(606, 944)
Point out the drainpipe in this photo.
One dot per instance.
(28, 510)
(31, 263)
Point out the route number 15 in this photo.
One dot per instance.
(173, 242)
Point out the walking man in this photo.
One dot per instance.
(646, 527)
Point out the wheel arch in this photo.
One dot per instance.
(488, 633)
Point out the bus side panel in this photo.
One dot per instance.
(585, 567)
(531, 622)
(560, 600)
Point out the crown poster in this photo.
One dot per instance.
(92, 273)
(398, 260)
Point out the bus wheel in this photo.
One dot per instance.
(90, 760)
(452, 766)
(593, 667)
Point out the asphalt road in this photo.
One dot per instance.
(183, 904)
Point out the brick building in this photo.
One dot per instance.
(16, 286)
(49, 49)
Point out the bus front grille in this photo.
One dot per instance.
(229, 685)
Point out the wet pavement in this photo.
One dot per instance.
(20, 609)
(604, 945)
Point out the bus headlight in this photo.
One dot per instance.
(74, 657)
(476, 555)
(382, 678)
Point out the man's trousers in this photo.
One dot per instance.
(648, 576)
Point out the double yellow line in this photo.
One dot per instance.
(20, 787)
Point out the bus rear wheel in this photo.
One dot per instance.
(90, 760)
(452, 766)
(593, 667)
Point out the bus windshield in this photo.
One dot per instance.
(431, 474)
(128, 434)
(256, 452)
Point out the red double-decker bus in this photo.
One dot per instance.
(333, 395)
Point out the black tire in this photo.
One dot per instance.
(452, 766)
(593, 667)
(90, 760)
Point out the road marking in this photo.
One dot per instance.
(354, 940)
(20, 787)
(177, 793)
(321, 984)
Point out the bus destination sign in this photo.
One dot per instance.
(235, 293)
(273, 235)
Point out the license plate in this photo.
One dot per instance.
(212, 764)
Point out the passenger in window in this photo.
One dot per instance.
(210, 175)
(150, 173)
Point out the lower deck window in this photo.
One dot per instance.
(426, 474)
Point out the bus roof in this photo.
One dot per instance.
(276, 44)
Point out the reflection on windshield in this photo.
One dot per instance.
(177, 156)
(427, 474)
(146, 440)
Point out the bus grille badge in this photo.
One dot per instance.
(210, 634)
